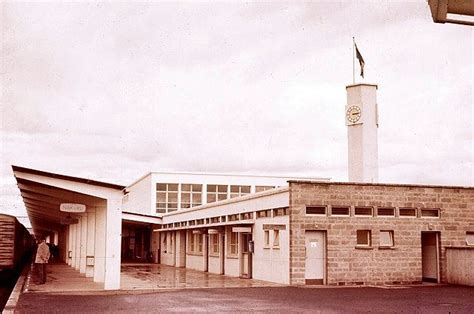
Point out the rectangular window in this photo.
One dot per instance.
(276, 238)
(470, 237)
(364, 238)
(316, 210)
(266, 238)
(239, 190)
(261, 188)
(191, 242)
(215, 243)
(363, 211)
(386, 238)
(191, 195)
(233, 243)
(166, 197)
(340, 211)
(430, 212)
(407, 212)
(386, 212)
(216, 193)
(199, 242)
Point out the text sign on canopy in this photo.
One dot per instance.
(72, 208)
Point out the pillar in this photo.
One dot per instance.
(362, 123)
(82, 256)
(90, 241)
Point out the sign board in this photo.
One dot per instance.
(72, 208)
(242, 229)
(89, 260)
(274, 227)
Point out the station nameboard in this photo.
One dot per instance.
(72, 208)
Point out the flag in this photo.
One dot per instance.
(361, 61)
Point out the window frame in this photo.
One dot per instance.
(369, 238)
(276, 239)
(469, 235)
(391, 234)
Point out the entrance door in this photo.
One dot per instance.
(315, 257)
(430, 256)
(246, 264)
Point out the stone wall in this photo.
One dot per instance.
(348, 264)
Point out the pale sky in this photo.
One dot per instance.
(112, 91)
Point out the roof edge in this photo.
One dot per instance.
(383, 184)
(66, 177)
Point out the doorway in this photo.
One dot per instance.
(430, 256)
(246, 264)
(315, 266)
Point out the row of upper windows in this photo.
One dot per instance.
(191, 194)
(366, 211)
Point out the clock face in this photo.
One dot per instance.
(353, 114)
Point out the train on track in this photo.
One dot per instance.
(16, 244)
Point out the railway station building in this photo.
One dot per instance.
(286, 230)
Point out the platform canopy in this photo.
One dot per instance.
(44, 192)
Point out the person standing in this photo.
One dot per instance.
(42, 257)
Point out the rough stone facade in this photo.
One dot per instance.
(349, 264)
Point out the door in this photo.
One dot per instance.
(315, 266)
(246, 264)
(430, 256)
(222, 253)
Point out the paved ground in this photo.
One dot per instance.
(430, 299)
(63, 279)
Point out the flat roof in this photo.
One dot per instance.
(383, 184)
(69, 178)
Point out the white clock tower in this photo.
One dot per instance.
(362, 123)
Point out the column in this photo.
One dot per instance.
(82, 257)
(90, 241)
(113, 244)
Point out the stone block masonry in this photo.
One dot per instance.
(416, 209)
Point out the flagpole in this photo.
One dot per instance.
(353, 61)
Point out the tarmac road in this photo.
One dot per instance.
(423, 299)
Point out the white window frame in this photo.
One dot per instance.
(369, 238)
(192, 195)
(239, 192)
(470, 238)
(266, 238)
(167, 203)
(216, 192)
(391, 239)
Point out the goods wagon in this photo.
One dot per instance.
(16, 243)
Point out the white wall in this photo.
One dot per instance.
(271, 264)
(214, 265)
(167, 249)
(195, 262)
(140, 197)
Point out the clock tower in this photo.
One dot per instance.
(362, 122)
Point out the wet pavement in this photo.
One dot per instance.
(157, 277)
(64, 279)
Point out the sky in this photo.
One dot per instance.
(111, 91)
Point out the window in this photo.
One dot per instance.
(363, 211)
(233, 243)
(266, 238)
(316, 210)
(470, 237)
(215, 244)
(261, 188)
(191, 195)
(279, 212)
(364, 238)
(430, 212)
(164, 244)
(386, 238)
(191, 242)
(386, 212)
(340, 211)
(264, 213)
(216, 193)
(276, 238)
(239, 190)
(407, 212)
(166, 197)
(199, 241)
